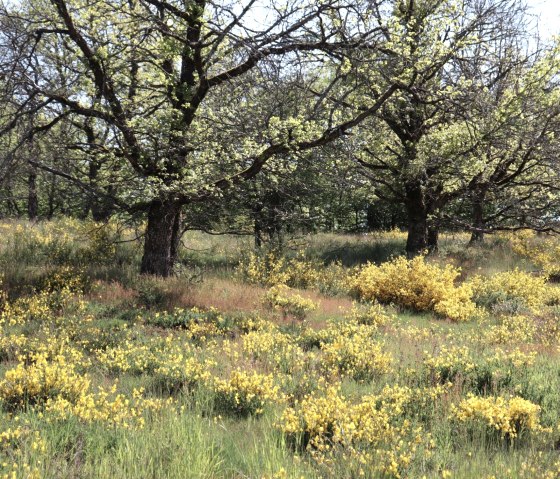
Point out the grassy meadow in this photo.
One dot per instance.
(335, 358)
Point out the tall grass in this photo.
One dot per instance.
(190, 438)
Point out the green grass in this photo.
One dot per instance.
(190, 438)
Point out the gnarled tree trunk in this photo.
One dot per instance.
(163, 234)
(417, 212)
(478, 197)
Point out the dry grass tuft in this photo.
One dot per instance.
(231, 296)
(111, 293)
(225, 295)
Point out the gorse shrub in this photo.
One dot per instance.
(481, 373)
(337, 329)
(178, 371)
(34, 384)
(48, 243)
(547, 326)
(65, 242)
(509, 418)
(108, 407)
(275, 349)
(173, 362)
(201, 325)
(356, 356)
(152, 293)
(244, 394)
(102, 242)
(42, 308)
(131, 356)
(274, 269)
(372, 432)
(291, 304)
(543, 253)
(65, 277)
(524, 289)
(449, 363)
(370, 314)
(512, 329)
(417, 285)
(315, 419)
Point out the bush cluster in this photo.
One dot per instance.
(418, 285)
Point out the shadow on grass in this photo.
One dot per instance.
(353, 254)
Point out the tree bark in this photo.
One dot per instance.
(417, 213)
(100, 206)
(32, 199)
(478, 198)
(393, 221)
(432, 232)
(163, 234)
(257, 233)
(51, 197)
(433, 238)
(176, 234)
(370, 217)
(101, 210)
(272, 218)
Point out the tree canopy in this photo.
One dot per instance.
(262, 116)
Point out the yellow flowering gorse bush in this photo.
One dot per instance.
(509, 417)
(416, 284)
(274, 348)
(284, 299)
(528, 289)
(371, 314)
(543, 253)
(173, 363)
(273, 269)
(106, 407)
(244, 393)
(42, 380)
(511, 329)
(356, 356)
(372, 432)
